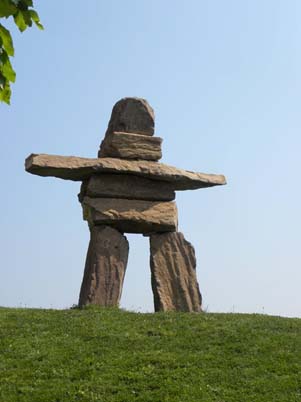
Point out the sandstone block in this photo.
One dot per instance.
(126, 186)
(131, 146)
(105, 267)
(132, 115)
(132, 216)
(75, 168)
(173, 271)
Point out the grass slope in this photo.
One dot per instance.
(111, 355)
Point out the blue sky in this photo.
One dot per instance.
(224, 80)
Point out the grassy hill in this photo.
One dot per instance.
(112, 355)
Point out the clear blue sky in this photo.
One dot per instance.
(224, 80)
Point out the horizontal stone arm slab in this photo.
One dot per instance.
(131, 216)
(76, 168)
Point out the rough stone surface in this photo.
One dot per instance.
(75, 168)
(173, 270)
(105, 267)
(126, 186)
(132, 216)
(126, 189)
(132, 115)
(131, 146)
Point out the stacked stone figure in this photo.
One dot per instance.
(124, 190)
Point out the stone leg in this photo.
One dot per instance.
(173, 273)
(105, 267)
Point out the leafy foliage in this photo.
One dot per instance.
(110, 355)
(24, 16)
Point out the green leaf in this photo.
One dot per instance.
(19, 20)
(8, 72)
(29, 3)
(22, 6)
(5, 93)
(7, 41)
(27, 17)
(23, 17)
(35, 17)
(6, 67)
(2, 81)
(7, 8)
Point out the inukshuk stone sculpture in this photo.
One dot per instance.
(124, 190)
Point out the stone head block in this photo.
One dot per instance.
(132, 115)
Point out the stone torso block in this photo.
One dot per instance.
(131, 216)
(126, 186)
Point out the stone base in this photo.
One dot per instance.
(173, 271)
(105, 267)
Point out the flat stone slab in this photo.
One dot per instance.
(78, 169)
(126, 186)
(131, 146)
(131, 216)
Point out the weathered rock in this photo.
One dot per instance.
(105, 267)
(127, 190)
(132, 115)
(75, 168)
(131, 146)
(173, 270)
(132, 216)
(126, 186)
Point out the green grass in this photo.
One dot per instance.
(112, 355)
